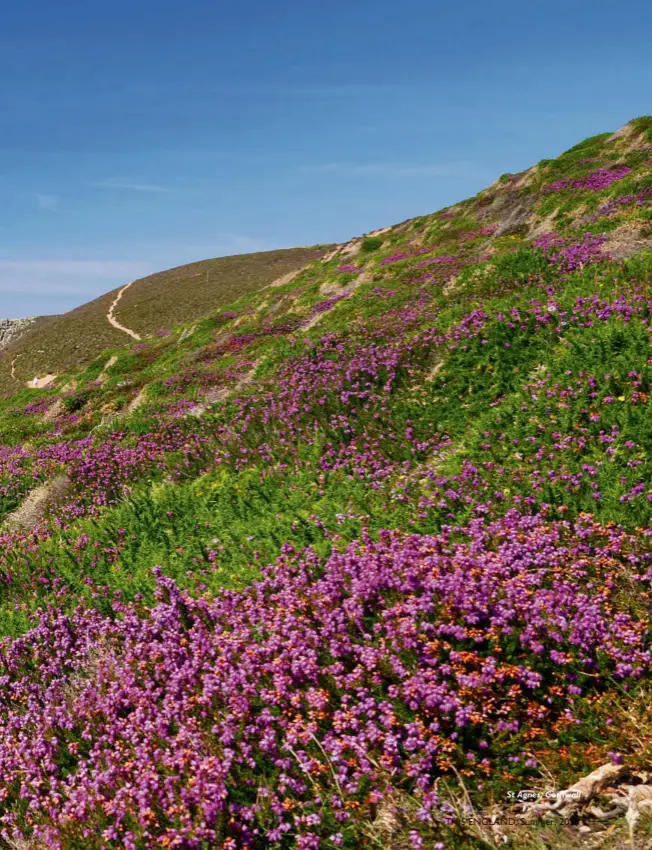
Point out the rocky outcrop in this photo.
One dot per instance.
(11, 329)
(34, 506)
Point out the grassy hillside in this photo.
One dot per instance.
(353, 560)
(157, 302)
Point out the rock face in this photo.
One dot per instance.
(11, 329)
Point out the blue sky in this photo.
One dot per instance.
(139, 135)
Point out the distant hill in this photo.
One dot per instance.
(159, 301)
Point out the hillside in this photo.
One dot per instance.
(157, 302)
(361, 559)
(12, 329)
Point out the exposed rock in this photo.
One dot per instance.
(216, 394)
(326, 289)
(607, 781)
(569, 800)
(623, 133)
(35, 504)
(526, 177)
(543, 226)
(103, 374)
(350, 249)
(514, 181)
(53, 411)
(286, 278)
(136, 402)
(213, 395)
(513, 211)
(11, 329)
(328, 257)
(334, 287)
(628, 239)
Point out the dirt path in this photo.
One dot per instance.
(13, 366)
(36, 383)
(41, 383)
(113, 321)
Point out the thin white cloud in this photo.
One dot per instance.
(40, 282)
(395, 169)
(128, 186)
(66, 277)
(48, 203)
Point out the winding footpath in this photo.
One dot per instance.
(13, 366)
(113, 321)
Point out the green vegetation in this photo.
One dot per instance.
(371, 244)
(338, 559)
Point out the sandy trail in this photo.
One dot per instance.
(113, 321)
(36, 383)
(13, 366)
(41, 383)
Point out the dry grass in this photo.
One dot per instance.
(390, 829)
(629, 732)
(180, 295)
(628, 239)
(163, 300)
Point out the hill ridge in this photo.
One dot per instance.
(156, 302)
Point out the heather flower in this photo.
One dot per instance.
(595, 182)
(348, 269)
(362, 662)
(373, 633)
(571, 256)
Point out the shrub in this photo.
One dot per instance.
(75, 402)
(371, 243)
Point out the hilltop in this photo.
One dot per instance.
(154, 303)
(355, 558)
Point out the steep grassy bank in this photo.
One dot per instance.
(351, 554)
